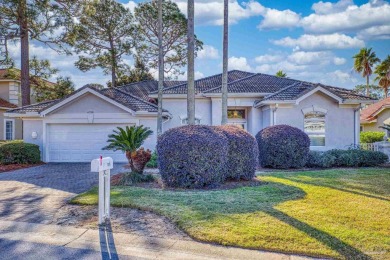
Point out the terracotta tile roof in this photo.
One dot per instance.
(6, 104)
(367, 114)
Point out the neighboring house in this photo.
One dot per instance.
(10, 128)
(375, 115)
(76, 127)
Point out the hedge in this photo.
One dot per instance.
(242, 154)
(283, 147)
(346, 158)
(371, 137)
(17, 152)
(192, 157)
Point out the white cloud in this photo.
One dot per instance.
(131, 5)
(344, 16)
(339, 61)
(208, 52)
(275, 19)
(310, 58)
(211, 12)
(268, 58)
(321, 42)
(239, 63)
(341, 76)
(375, 32)
(198, 75)
(328, 7)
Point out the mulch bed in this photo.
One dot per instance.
(13, 167)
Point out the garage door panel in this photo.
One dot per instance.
(80, 142)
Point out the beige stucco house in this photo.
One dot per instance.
(75, 128)
(375, 115)
(10, 128)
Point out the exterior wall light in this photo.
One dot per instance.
(34, 135)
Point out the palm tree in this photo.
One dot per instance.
(383, 72)
(191, 64)
(129, 141)
(224, 120)
(364, 61)
(160, 68)
(281, 74)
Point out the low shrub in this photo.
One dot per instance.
(192, 157)
(242, 154)
(320, 160)
(131, 178)
(371, 137)
(153, 161)
(17, 152)
(346, 158)
(282, 147)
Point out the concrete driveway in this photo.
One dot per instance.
(35, 194)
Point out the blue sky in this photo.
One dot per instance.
(309, 40)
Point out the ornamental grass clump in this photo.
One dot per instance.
(283, 147)
(192, 157)
(242, 153)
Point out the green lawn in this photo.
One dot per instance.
(335, 213)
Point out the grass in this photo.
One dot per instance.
(341, 213)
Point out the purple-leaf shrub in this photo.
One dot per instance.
(283, 147)
(242, 158)
(192, 157)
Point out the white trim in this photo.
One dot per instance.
(79, 94)
(5, 128)
(314, 109)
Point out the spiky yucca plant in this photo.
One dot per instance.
(129, 140)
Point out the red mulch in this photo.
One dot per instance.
(12, 167)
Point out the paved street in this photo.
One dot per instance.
(35, 194)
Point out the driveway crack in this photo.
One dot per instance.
(76, 238)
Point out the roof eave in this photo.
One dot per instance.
(246, 94)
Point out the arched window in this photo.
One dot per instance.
(315, 126)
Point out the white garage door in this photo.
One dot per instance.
(80, 142)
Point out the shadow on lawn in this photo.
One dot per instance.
(332, 242)
(336, 188)
(263, 198)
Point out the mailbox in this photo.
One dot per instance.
(103, 167)
(102, 164)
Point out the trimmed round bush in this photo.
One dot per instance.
(283, 147)
(192, 157)
(242, 154)
(18, 152)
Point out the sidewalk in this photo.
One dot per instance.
(114, 245)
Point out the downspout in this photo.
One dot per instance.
(355, 135)
(274, 114)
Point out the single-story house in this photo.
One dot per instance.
(375, 115)
(76, 127)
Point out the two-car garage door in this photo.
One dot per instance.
(80, 142)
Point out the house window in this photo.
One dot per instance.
(237, 117)
(9, 129)
(314, 126)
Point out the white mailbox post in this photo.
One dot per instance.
(103, 167)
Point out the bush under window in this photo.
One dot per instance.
(18, 152)
(192, 157)
(242, 153)
(346, 158)
(283, 147)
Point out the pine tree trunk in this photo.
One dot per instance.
(368, 86)
(160, 69)
(224, 120)
(191, 65)
(24, 54)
